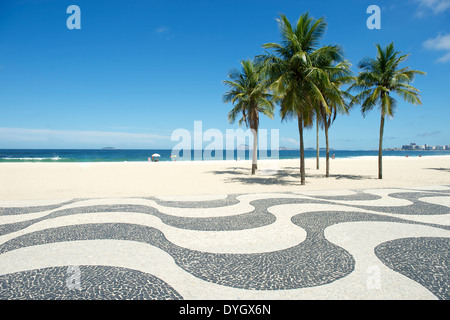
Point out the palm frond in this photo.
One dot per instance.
(380, 77)
(249, 94)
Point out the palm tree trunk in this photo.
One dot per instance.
(327, 171)
(255, 151)
(302, 150)
(317, 142)
(380, 149)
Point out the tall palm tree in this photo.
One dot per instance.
(293, 74)
(338, 100)
(250, 95)
(379, 78)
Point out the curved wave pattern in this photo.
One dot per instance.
(425, 260)
(291, 256)
(61, 283)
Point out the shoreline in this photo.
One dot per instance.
(5, 161)
(69, 180)
(92, 155)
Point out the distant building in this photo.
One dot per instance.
(411, 146)
(414, 146)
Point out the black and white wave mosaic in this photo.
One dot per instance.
(306, 245)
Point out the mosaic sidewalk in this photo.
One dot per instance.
(343, 244)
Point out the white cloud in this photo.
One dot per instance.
(162, 30)
(428, 134)
(434, 6)
(440, 43)
(74, 137)
(445, 58)
(290, 140)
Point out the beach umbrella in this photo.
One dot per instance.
(155, 155)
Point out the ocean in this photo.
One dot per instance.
(127, 155)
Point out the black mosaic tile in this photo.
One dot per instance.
(84, 283)
(425, 260)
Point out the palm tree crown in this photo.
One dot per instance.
(382, 76)
(293, 64)
(249, 94)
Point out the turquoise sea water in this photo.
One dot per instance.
(121, 155)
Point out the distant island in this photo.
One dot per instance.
(297, 149)
(109, 148)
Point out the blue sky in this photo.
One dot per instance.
(137, 70)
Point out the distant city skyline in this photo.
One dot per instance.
(135, 72)
(414, 146)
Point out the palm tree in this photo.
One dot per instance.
(250, 95)
(338, 74)
(379, 78)
(293, 74)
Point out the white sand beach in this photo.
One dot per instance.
(52, 181)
